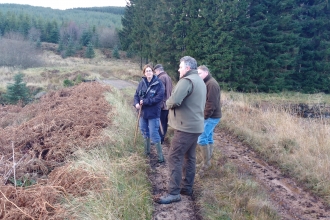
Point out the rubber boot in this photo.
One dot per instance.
(211, 150)
(147, 146)
(200, 153)
(206, 160)
(159, 152)
(206, 157)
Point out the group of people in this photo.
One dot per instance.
(192, 109)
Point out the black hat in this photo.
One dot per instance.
(158, 66)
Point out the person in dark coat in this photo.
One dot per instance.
(149, 97)
(186, 115)
(212, 116)
(167, 83)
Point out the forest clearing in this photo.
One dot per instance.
(70, 154)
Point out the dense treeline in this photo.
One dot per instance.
(34, 25)
(264, 45)
(110, 9)
(81, 17)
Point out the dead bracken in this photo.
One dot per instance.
(35, 143)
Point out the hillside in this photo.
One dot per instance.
(99, 16)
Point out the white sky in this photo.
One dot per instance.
(65, 4)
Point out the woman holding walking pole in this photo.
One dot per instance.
(149, 96)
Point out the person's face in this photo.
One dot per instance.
(148, 73)
(157, 71)
(202, 73)
(183, 69)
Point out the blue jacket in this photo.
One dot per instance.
(152, 95)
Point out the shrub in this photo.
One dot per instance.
(115, 52)
(18, 52)
(90, 51)
(17, 91)
(68, 83)
(108, 38)
(129, 54)
(79, 79)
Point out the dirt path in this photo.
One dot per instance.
(158, 175)
(292, 201)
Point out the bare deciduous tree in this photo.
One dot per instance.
(108, 38)
(15, 51)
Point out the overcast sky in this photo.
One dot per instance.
(65, 4)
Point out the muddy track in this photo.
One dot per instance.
(158, 175)
(291, 200)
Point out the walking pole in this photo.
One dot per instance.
(161, 127)
(137, 125)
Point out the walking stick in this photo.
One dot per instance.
(137, 124)
(161, 127)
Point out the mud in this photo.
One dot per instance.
(291, 200)
(158, 175)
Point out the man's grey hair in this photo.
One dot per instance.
(189, 61)
(204, 68)
(159, 66)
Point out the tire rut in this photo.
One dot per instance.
(158, 176)
(293, 201)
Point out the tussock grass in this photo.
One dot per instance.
(299, 146)
(127, 191)
(52, 75)
(283, 97)
(229, 192)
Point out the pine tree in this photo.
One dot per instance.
(86, 37)
(17, 91)
(115, 52)
(70, 50)
(54, 33)
(90, 51)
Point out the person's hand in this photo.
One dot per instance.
(137, 106)
(141, 102)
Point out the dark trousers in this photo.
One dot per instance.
(163, 120)
(182, 161)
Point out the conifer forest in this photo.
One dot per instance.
(249, 46)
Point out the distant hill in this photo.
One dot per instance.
(109, 9)
(98, 16)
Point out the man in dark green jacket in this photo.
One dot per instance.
(186, 115)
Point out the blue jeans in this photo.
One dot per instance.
(149, 129)
(207, 136)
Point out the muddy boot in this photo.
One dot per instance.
(159, 152)
(200, 155)
(206, 160)
(147, 146)
(211, 150)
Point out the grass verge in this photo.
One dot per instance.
(298, 146)
(126, 192)
(229, 192)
